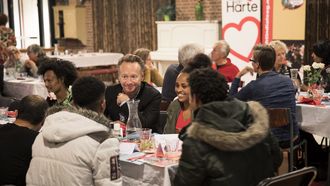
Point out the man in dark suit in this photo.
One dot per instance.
(132, 87)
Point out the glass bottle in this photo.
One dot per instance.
(56, 51)
(18, 69)
(133, 123)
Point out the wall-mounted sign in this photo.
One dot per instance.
(241, 28)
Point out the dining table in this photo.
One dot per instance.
(155, 166)
(100, 65)
(315, 119)
(92, 59)
(21, 87)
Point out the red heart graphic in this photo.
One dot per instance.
(239, 28)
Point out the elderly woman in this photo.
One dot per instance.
(151, 74)
(280, 63)
(58, 76)
(36, 58)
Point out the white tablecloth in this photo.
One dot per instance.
(145, 174)
(21, 88)
(314, 119)
(92, 59)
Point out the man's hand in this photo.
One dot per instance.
(121, 98)
(244, 71)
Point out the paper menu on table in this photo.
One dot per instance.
(127, 148)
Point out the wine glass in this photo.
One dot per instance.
(295, 80)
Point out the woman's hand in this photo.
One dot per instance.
(149, 65)
(29, 64)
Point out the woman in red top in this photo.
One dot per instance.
(178, 113)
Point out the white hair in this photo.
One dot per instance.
(188, 51)
(225, 48)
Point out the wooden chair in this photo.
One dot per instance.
(279, 117)
(301, 177)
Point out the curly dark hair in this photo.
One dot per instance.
(87, 92)
(63, 69)
(208, 85)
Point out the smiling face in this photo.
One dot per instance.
(130, 77)
(280, 56)
(182, 87)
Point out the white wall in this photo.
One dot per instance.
(26, 22)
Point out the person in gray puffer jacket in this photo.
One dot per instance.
(229, 141)
(75, 146)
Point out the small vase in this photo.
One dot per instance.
(199, 12)
(316, 93)
(167, 18)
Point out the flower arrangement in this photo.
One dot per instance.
(312, 74)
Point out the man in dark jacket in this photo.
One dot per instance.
(272, 90)
(16, 140)
(228, 141)
(131, 87)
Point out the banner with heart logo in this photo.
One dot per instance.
(241, 28)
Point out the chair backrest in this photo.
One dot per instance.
(278, 117)
(301, 177)
(164, 105)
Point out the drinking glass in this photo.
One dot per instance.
(172, 149)
(294, 73)
(145, 139)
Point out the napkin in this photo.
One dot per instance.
(309, 101)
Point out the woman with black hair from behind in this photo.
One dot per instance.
(228, 141)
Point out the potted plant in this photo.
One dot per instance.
(166, 13)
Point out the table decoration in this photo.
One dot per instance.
(313, 79)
